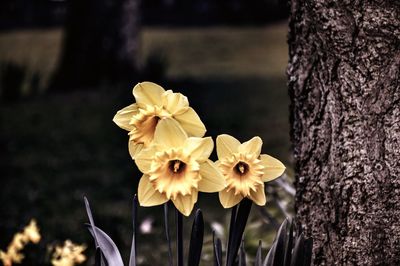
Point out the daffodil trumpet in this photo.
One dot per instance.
(245, 170)
(176, 167)
(153, 103)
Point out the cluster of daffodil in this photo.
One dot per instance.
(167, 143)
(30, 234)
(69, 254)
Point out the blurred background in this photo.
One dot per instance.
(67, 66)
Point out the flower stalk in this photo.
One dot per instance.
(239, 225)
(167, 236)
(179, 237)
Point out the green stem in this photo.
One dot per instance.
(179, 238)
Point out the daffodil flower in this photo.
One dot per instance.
(152, 104)
(68, 254)
(245, 170)
(176, 167)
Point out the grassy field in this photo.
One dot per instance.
(60, 146)
(199, 53)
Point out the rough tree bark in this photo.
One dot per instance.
(100, 42)
(345, 117)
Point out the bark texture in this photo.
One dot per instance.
(345, 117)
(100, 42)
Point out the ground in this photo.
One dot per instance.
(57, 147)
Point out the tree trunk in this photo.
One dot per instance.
(100, 42)
(345, 118)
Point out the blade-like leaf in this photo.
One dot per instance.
(239, 226)
(132, 258)
(101, 258)
(298, 252)
(269, 259)
(166, 227)
(196, 239)
(242, 255)
(217, 250)
(258, 261)
(289, 243)
(97, 257)
(308, 245)
(280, 242)
(91, 220)
(107, 247)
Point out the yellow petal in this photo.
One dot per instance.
(124, 116)
(258, 196)
(226, 146)
(134, 148)
(169, 133)
(148, 93)
(147, 195)
(211, 178)
(175, 103)
(185, 203)
(252, 147)
(191, 123)
(273, 168)
(199, 148)
(228, 199)
(144, 158)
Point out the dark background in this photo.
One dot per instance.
(51, 13)
(228, 57)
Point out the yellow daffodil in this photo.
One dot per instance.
(176, 167)
(245, 170)
(152, 104)
(32, 232)
(68, 254)
(20, 240)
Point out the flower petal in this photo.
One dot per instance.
(134, 148)
(211, 178)
(199, 148)
(169, 133)
(228, 199)
(144, 158)
(147, 195)
(273, 168)
(124, 116)
(175, 103)
(226, 146)
(258, 196)
(185, 203)
(252, 147)
(148, 93)
(191, 123)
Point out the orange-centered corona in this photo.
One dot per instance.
(245, 170)
(152, 104)
(176, 167)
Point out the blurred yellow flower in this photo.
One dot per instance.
(176, 167)
(68, 254)
(245, 170)
(32, 232)
(152, 104)
(20, 240)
